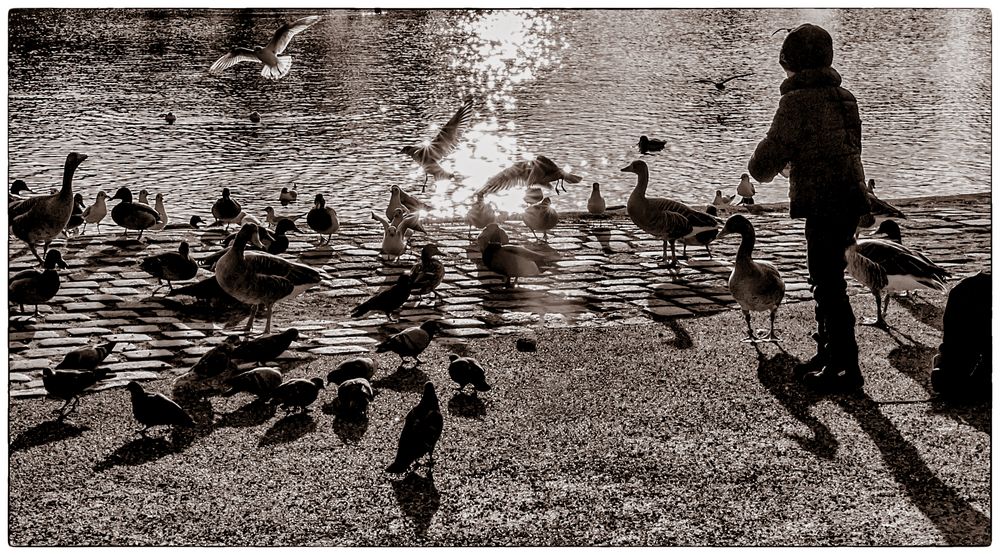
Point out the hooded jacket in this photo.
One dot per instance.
(816, 130)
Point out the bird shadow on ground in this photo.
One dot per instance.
(127, 245)
(955, 518)
(405, 378)
(775, 374)
(288, 429)
(317, 255)
(418, 498)
(49, 431)
(602, 234)
(467, 405)
(251, 414)
(926, 312)
(141, 450)
(350, 428)
(682, 339)
(200, 410)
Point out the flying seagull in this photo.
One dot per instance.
(721, 85)
(275, 66)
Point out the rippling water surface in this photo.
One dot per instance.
(578, 86)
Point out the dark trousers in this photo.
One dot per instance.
(964, 365)
(826, 239)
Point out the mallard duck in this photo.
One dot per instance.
(265, 348)
(756, 285)
(76, 218)
(513, 262)
(663, 218)
(296, 394)
(596, 204)
(491, 233)
(275, 65)
(886, 267)
(226, 210)
(275, 242)
(358, 367)
(86, 358)
(260, 382)
(427, 274)
(540, 171)
(467, 371)
(162, 211)
(647, 145)
(34, 287)
(354, 396)
(430, 154)
(169, 117)
(388, 300)
(96, 212)
(194, 223)
(171, 266)
(323, 220)
(421, 432)
(745, 189)
(156, 409)
(254, 117)
(132, 215)
(42, 218)
(541, 217)
(890, 230)
(258, 278)
(480, 214)
(411, 341)
(68, 386)
(288, 196)
(16, 188)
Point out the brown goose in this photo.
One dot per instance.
(41, 219)
(663, 218)
(756, 285)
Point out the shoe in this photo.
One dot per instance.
(834, 380)
(814, 364)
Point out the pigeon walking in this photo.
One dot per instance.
(421, 432)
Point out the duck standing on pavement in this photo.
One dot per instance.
(132, 215)
(34, 287)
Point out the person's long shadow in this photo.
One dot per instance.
(288, 429)
(958, 521)
(418, 498)
(775, 374)
(49, 431)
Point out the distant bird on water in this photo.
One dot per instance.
(430, 154)
(254, 117)
(421, 432)
(721, 85)
(169, 117)
(650, 145)
(275, 65)
(288, 196)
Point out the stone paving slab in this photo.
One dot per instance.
(609, 275)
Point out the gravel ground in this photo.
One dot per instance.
(660, 434)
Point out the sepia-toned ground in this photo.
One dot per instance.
(640, 420)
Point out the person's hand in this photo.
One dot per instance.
(787, 169)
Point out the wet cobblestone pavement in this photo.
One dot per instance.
(610, 274)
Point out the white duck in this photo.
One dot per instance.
(96, 212)
(756, 285)
(275, 65)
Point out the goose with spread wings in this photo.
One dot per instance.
(430, 154)
(275, 65)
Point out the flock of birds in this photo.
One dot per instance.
(249, 269)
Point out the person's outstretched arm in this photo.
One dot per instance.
(777, 148)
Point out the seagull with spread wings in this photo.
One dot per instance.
(721, 85)
(540, 171)
(275, 65)
(430, 154)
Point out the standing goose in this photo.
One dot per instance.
(286, 196)
(427, 274)
(258, 278)
(132, 215)
(756, 285)
(34, 287)
(596, 204)
(323, 220)
(885, 267)
(421, 432)
(663, 218)
(890, 230)
(96, 212)
(540, 171)
(162, 211)
(541, 217)
(41, 219)
(430, 154)
(275, 65)
(171, 266)
(226, 210)
(272, 242)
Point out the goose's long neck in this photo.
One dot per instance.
(743, 254)
(67, 184)
(642, 175)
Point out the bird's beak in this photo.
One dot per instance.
(627, 169)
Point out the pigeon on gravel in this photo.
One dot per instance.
(354, 396)
(156, 409)
(388, 300)
(421, 431)
(297, 394)
(218, 359)
(260, 382)
(467, 371)
(359, 367)
(265, 348)
(411, 341)
(68, 385)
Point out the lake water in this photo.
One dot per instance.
(578, 86)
